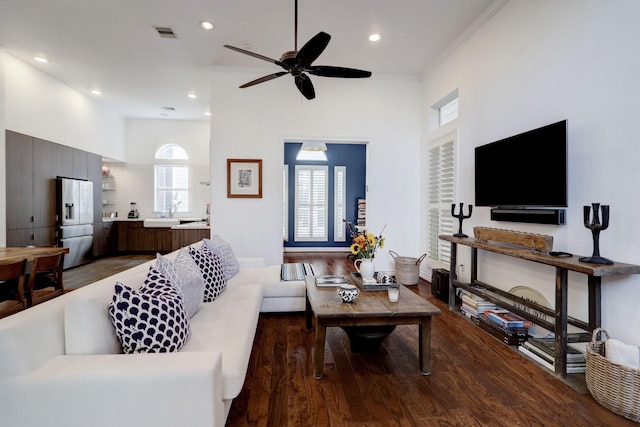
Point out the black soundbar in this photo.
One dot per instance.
(533, 216)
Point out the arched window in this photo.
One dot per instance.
(171, 192)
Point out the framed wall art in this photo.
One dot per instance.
(244, 178)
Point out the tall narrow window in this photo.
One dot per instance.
(339, 203)
(285, 203)
(171, 180)
(441, 195)
(311, 203)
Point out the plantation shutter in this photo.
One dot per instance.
(311, 203)
(339, 203)
(285, 202)
(441, 195)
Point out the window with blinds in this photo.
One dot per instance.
(339, 203)
(285, 203)
(311, 203)
(441, 195)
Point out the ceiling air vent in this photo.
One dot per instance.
(166, 32)
(169, 108)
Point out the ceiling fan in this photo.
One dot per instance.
(298, 62)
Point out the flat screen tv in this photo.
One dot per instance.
(525, 170)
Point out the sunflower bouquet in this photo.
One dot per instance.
(365, 244)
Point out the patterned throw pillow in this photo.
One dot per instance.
(185, 275)
(212, 273)
(223, 251)
(151, 319)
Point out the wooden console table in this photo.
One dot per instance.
(563, 265)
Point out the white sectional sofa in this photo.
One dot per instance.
(61, 363)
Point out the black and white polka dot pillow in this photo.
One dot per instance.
(151, 319)
(212, 272)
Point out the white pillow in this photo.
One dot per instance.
(622, 354)
(185, 275)
(222, 250)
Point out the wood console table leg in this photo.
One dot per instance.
(560, 364)
(452, 275)
(595, 316)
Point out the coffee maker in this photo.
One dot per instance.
(133, 213)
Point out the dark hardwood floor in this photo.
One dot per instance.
(476, 380)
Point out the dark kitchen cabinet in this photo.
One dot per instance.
(19, 154)
(33, 164)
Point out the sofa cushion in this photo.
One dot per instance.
(222, 250)
(269, 278)
(228, 325)
(88, 328)
(185, 275)
(151, 319)
(211, 270)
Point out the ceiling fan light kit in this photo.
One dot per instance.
(299, 62)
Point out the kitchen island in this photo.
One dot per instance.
(153, 235)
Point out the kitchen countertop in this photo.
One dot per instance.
(191, 225)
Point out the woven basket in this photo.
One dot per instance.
(407, 268)
(616, 387)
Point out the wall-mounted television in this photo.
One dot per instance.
(525, 170)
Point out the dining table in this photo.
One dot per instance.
(28, 252)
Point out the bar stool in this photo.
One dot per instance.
(12, 278)
(45, 279)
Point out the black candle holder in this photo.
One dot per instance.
(596, 227)
(460, 217)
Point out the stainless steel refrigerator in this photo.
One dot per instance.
(74, 203)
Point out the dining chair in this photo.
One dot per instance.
(12, 278)
(45, 279)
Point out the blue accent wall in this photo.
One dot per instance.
(353, 156)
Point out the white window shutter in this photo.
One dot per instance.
(311, 200)
(441, 194)
(339, 203)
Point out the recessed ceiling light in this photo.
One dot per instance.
(41, 59)
(192, 95)
(247, 45)
(374, 37)
(96, 92)
(206, 25)
(207, 113)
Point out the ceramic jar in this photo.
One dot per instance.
(348, 293)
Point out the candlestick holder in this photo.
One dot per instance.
(596, 227)
(460, 217)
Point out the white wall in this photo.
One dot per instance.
(535, 63)
(3, 160)
(253, 123)
(40, 106)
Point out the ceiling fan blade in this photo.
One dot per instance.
(256, 55)
(329, 71)
(313, 48)
(305, 86)
(264, 79)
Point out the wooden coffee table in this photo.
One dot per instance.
(370, 308)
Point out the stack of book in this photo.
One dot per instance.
(543, 351)
(362, 213)
(511, 335)
(474, 305)
(507, 319)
